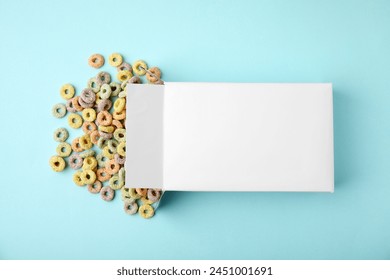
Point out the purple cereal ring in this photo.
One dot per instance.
(103, 78)
(88, 96)
(107, 193)
(105, 105)
(84, 104)
(105, 135)
(125, 66)
(75, 161)
(119, 159)
(69, 106)
(135, 80)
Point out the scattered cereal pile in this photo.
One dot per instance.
(98, 156)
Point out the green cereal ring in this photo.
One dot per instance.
(115, 88)
(95, 187)
(88, 176)
(134, 194)
(122, 94)
(153, 195)
(140, 67)
(146, 211)
(102, 143)
(119, 159)
(125, 66)
(112, 145)
(93, 84)
(75, 161)
(121, 150)
(61, 134)
(85, 142)
(57, 163)
(130, 207)
(107, 194)
(103, 78)
(124, 85)
(77, 179)
(64, 149)
(120, 135)
(59, 110)
(88, 153)
(121, 174)
(67, 91)
(105, 91)
(115, 183)
(115, 59)
(119, 104)
(75, 120)
(89, 114)
(90, 163)
(124, 75)
(107, 153)
(102, 160)
(126, 195)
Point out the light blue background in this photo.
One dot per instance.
(45, 44)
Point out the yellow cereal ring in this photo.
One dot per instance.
(140, 67)
(134, 194)
(75, 120)
(85, 142)
(57, 163)
(88, 177)
(124, 75)
(89, 163)
(98, 98)
(146, 211)
(64, 149)
(121, 149)
(89, 114)
(77, 179)
(107, 129)
(115, 59)
(146, 201)
(107, 152)
(67, 91)
(119, 104)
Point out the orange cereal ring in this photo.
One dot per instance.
(96, 60)
(76, 105)
(89, 127)
(102, 175)
(117, 124)
(104, 118)
(141, 191)
(95, 137)
(119, 116)
(76, 147)
(112, 167)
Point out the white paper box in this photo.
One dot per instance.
(230, 137)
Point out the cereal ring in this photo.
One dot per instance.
(102, 142)
(101, 160)
(69, 106)
(119, 159)
(95, 136)
(122, 94)
(135, 80)
(115, 59)
(64, 149)
(140, 67)
(117, 124)
(92, 84)
(104, 105)
(90, 163)
(112, 167)
(102, 175)
(115, 183)
(95, 187)
(107, 153)
(146, 211)
(89, 127)
(104, 118)
(121, 174)
(105, 91)
(105, 135)
(77, 179)
(119, 104)
(112, 145)
(75, 120)
(98, 100)
(84, 104)
(103, 78)
(60, 134)
(125, 66)
(75, 161)
(153, 195)
(88, 96)
(142, 191)
(134, 194)
(76, 147)
(59, 110)
(153, 74)
(120, 134)
(67, 91)
(124, 85)
(146, 201)
(107, 193)
(130, 207)
(96, 60)
(89, 114)
(119, 115)
(88, 153)
(85, 142)
(159, 82)
(121, 149)
(124, 75)
(115, 88)
(88, 176)
(76, 104)
(57, 163)
(125, 194)
(106, 129)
